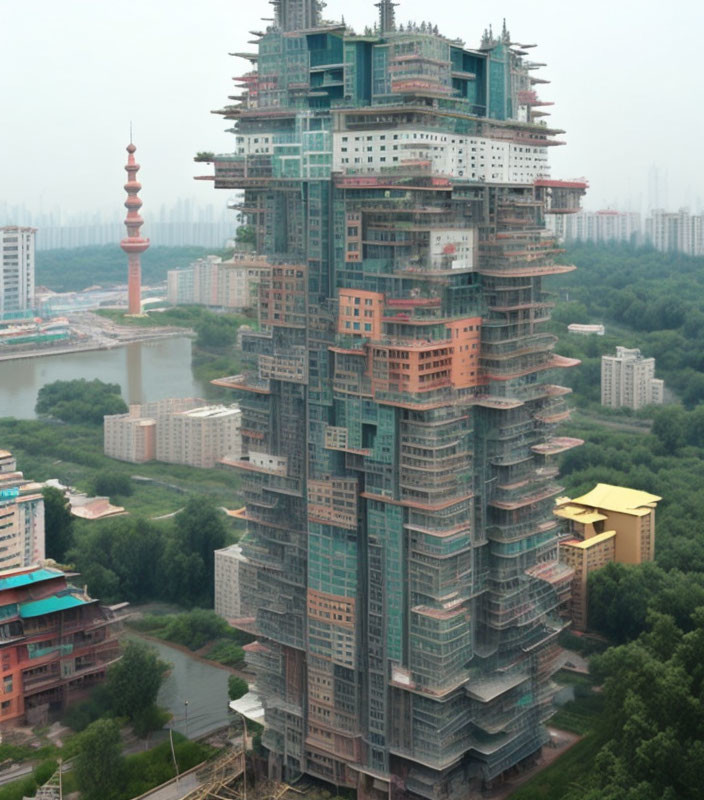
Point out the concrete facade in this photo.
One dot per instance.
(212, 282)
(16, 268)
(227, 581)
(176, 431)
(199, 437)
(130, 438)
(628, 380)
(610, 523)
(21, 517)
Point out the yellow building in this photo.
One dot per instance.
(610, 523)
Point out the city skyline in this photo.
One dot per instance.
(603, 101)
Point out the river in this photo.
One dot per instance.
(200, 683)
(146, 371)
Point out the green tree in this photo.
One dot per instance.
(200, 531)
(245, 235)
(112, 484)
(58, 523)
(236, 687)
(133, 683)
(80, 401)
(99, 765)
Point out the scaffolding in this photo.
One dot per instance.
(399, 403)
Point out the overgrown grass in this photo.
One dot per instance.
(581, 714)
(74, 453)
(568, 772)
(144, 771)
(196, 629)
(28, 785)
(19, 753)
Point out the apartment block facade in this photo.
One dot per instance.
(399, 405)
(628, 380)
(176, 431)
(21, 517)
(16, 268)
(608, 524)
(132, 436)
(210, 281)
(600, 227)
(56, 644)
(199, 437)
(676, 231)
(227, 582)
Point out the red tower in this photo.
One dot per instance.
(133, 244)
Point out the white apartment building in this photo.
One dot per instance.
(210, 281)
(227, 581)
(16, 268)
(133, 436)
(130, 437)
(475, 157)
(676, 232)
(598, 226)
(628, 380)
(21, 517)
(199, 437)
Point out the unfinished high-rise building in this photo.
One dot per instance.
(400, 566)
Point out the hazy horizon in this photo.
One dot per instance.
(78, 72)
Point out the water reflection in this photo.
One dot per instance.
(144, 370)
(201, 684)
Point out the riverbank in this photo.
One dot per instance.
(73, 454)
(63, 349)
(146, 371)
(198, 655)
(195, 690)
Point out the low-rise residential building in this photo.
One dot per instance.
(176, 431)
(56, 644)
(21, 516)
(628, 380)
(199, 437)
(227, 581)
(210, 281)
(610, 523)
(130, 437)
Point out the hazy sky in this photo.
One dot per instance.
(626, 82)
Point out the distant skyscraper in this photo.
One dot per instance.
(134, 244)
(599, 226)
(16, 268)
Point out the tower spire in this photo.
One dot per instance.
(387, 16)
(134, 244)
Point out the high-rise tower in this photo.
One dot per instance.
(134, 244)
(400, 565)
(17, 245)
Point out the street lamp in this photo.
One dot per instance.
(185, 705)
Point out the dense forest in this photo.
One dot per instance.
(105, 265)
(646, 299)
(648, 737)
